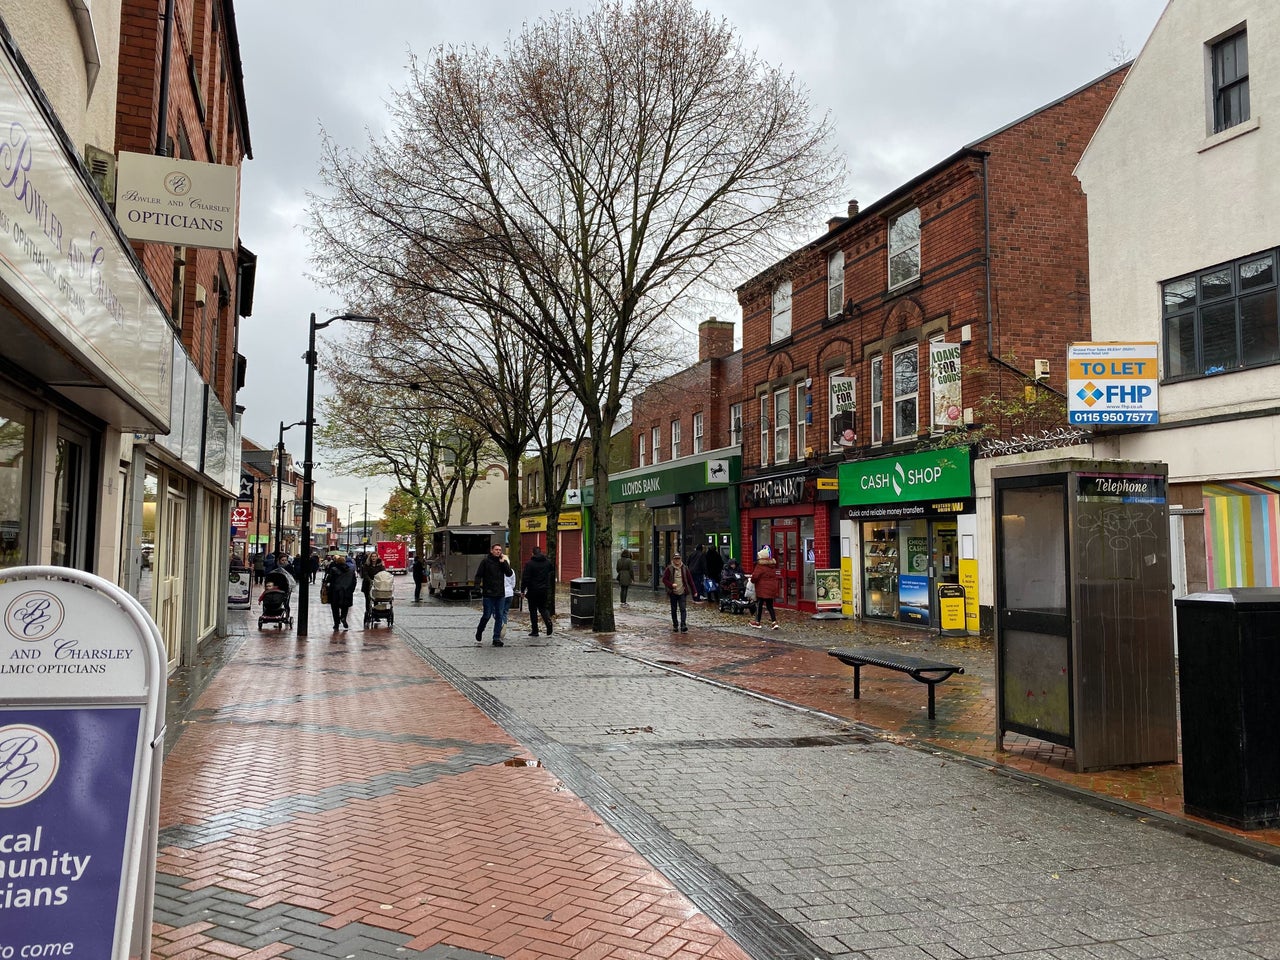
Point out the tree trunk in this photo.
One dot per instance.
(602, 531)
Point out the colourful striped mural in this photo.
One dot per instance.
(1242, 533)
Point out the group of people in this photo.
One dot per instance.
(338, 585)
(263, 563)
(683, 581)
(496, 579)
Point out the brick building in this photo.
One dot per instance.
(685, 437)
(865, 351)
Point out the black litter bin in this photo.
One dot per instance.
(1228, 671)
(582, 601)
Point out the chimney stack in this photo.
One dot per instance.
(835, 222)
(853, 208)
(715, 339)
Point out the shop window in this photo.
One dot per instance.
(15, 462)
(781, 426)
(69, 508)
(906, 392)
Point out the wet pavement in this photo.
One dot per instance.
(407, 792)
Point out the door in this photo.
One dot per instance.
(1033, 608)
(786, 550)
(170, 571)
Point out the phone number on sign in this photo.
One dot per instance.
(1115, 416)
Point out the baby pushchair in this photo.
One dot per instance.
(275, 603)
(380, 600)
(733, 593)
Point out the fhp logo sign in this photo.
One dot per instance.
(1112, 383)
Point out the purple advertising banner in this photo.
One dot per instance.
(65, 781)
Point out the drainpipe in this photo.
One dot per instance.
(166, 57)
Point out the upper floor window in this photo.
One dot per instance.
(697, 432)
(781, 426)
(780, 327)
(675, 439)
(559, 475)
(1222, 319)
(656, 434)
(877, 400)
(735, 424)
(1230, 81)
(802, 417)
(904, 248)
(906, 392)
(835, 283)
(764, 430)
(579, 471)
(644, 451)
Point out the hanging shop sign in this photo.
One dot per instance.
(184, 203)
(81, 732)
(934, 475)
(1112, 383)
(944, 384)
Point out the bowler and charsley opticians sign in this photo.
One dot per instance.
(182, 202)
(931, 475)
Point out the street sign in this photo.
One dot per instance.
(1112, 383)
(81, 736)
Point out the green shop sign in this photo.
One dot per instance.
(933, 475)
(683, 478)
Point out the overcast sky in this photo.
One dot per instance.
(907, 83)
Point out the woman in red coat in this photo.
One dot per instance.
(768, 585)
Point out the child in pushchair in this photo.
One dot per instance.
(275, 600)
(380, 599)
(733, 590)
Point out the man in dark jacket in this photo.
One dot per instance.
(537, 581)
(491, 578)
(419, 578)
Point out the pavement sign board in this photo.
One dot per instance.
(82, 686)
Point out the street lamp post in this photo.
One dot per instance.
(307, 491)
(349, 506)
(365, 538)
(280, 485)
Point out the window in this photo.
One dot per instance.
(781, 426)
(579, 472)
(906, 387)
(835, 283)
(656, 434)
(697, 432)
(1222, 319)
(559, 475)
(1230, 81)
(764, 430)
(904, 248)
(842, 404)
(675, 439)
(735, 424)
(644, 456)
(802, 416)
(877, 400)
(781, 328)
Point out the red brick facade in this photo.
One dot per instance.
(1010, 202)
(206, 121)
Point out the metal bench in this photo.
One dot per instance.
(932, 672)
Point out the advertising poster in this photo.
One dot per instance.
(913, 599)
(843, 404)
(944, 383)
(65, 788)
(969, 580)
(829, 594)
(917, 555)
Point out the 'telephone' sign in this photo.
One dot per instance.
(1112, 383)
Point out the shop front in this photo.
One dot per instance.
(569, 541)
(912, 522)
(790, 514)
(661, 510)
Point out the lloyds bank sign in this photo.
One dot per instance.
(931, 475)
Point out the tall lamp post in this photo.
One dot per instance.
(349, 506)
(280, 484)
(307, 491)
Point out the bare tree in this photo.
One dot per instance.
(608, 166)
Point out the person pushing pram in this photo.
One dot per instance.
(274, 599)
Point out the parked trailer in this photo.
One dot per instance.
(456, 553)
(395, 556)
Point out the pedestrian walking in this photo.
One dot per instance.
(340, 584)
(679, 583)
(419, 572)
(508, 594)
(259, 567)
(372, 567)
(626, 573)
(314, 566)
(768, 584)
(537, 580)
(491, 578)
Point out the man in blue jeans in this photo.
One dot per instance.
(491, 578)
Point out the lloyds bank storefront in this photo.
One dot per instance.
(910, 525)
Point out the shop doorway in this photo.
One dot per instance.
(786, 551)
